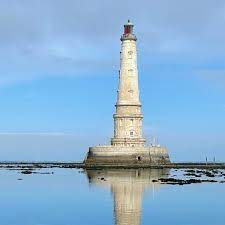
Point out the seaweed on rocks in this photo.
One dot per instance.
(26, 172)
(183, 182)
(155, 181)
(190, 171)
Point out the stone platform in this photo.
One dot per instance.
(106, 156)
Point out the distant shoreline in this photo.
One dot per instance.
(81, 165)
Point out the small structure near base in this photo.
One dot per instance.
(127, 147)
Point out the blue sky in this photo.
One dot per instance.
(59, 69)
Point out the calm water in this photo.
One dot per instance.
(121, 197)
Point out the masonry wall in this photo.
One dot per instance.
(110, 155)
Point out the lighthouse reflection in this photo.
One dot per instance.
(127, 187)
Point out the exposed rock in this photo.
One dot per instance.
(190, 171)
(182, 182)
(26, 172)
(210, 181)
(155, 181)
(208, 174)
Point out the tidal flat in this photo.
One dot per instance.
(66, 196)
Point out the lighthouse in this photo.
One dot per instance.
(128, 117)
(127, 148)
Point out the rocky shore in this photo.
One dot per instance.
(172, 176)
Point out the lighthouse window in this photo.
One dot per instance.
(132, 121)
(127, 30)
(139, 158)
(130, 54)
(131, 93)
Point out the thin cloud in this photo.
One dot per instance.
(31, 134)
(57, 38)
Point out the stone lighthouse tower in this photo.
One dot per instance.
(128, 117)
(127, 147)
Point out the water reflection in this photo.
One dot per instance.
(127, 187)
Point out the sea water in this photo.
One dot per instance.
(105, 197)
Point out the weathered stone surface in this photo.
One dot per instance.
(111, 155)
